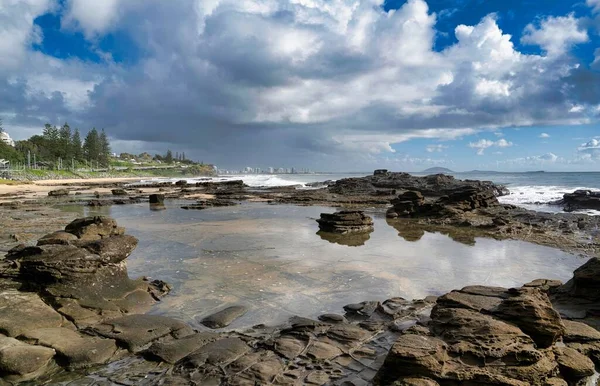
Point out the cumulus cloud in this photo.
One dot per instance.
(262, 80)
(555, 34)
(483, 144)
(594, 4)
(544, 135)
(590, 149)
(535, 160)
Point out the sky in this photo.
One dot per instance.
(330, 85)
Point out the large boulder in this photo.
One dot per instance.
(581, 199)
(345, 221)
(22, 359)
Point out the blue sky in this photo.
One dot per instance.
(329, 85)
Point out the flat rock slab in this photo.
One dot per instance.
(20, 358)
(224, 317)
(78, 350)
(172, 352)
(218, 353)
(137, 331)
(21, 312)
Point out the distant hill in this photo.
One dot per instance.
(437, 170)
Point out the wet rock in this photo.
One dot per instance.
(366, 308)
(21, 312)
(137, 331)
(23, 359)
(60, 237)
(217, 353)
(572, 364)
(214, 203)
(224, 317)
(546, 285)
(76, 349)
(174, 351)
(119, 192)
(58, 193)
(580, 199)
(157, 199)
(94, 228)
(332, 318)
(380, 172)
(345, 221)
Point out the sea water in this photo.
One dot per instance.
(271, 259)
(532, 190)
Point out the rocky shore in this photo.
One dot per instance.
(68, 307)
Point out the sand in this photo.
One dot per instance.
(41, 188)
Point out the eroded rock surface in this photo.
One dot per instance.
(345, 222)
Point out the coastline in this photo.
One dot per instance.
(363, 345)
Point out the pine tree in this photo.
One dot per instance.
(76, 148)
(169, 157)
(91, 146)
(104, 149)
(64, 142)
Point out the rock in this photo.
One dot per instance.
(157, 199)
(111, 250)
(348, 239)
(60, 237)
(531, 310)
(119, 192)
(546, 285)
(366, 308)
(21, 312)
(22, 359)
(174, 351)
(217, 353)
(380, 172)
(58, 193)
(224, 317)
(579, 332)
(580, 199)
(585, 282)
(345, 221)
(77, 350)
(137, 331)
(332, 318)
(94, 228)
(323, 351)
(413, 356)
(289, 347)
(572, 364)
(181, 183)
(214, 203)
(411, 381)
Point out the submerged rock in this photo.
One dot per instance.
(214, 203)
(224, 317)
(345, 221)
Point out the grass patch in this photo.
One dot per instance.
(12, 182)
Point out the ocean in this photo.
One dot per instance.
(531, 190)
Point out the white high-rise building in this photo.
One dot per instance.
(4, 137)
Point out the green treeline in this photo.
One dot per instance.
(60, 147)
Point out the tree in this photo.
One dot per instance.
(1, 127)
(64, 142)
(91, 146)
(169, 157)
(104, 148)
(76, 147)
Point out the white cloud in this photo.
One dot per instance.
(483, 144)
(544, 159)
(435, 148)
(594, 4)
(556, 35)
(93, 17)
(544, 135)
(590, 149)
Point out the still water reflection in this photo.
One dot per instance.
(271, 258)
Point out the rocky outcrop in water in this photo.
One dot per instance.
(214, 203)
(435, 185)
(456, 202)
(345, 222)
(580, 200)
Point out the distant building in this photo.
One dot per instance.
(4, 137)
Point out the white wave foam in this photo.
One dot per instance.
(536, 197)
(253, 180)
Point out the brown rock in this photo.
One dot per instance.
(572, 364)
(60, 237)
(22, 359)
(94, 228)
(172, 352)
